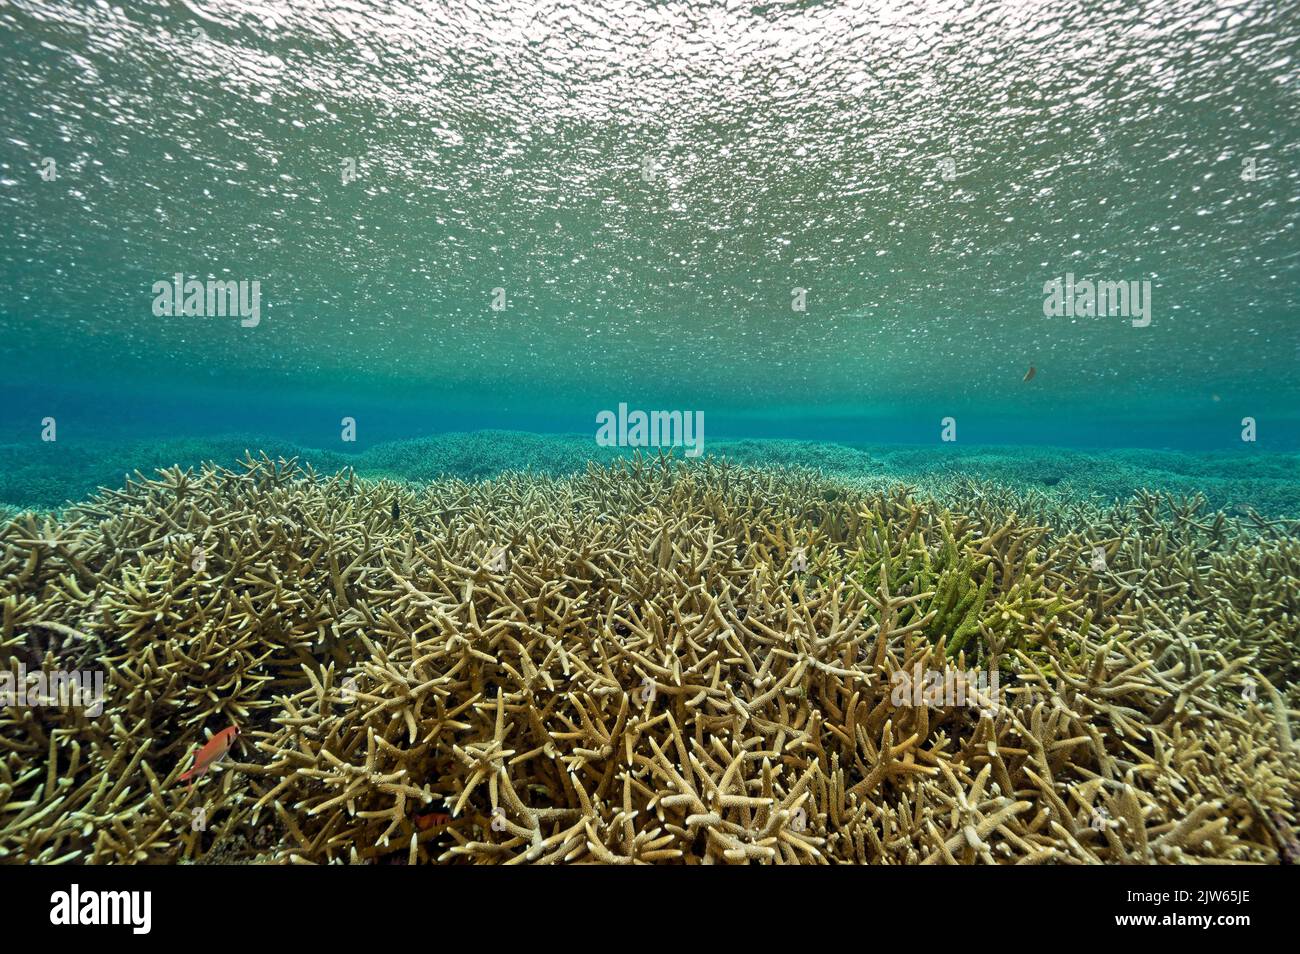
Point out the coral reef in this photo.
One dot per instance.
(649, 661)
(1235, 481)
(45, 476)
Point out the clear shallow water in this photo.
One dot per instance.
(650, 186)
(467, 230)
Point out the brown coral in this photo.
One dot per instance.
(636, 665)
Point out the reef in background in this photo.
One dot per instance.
(649, 662)
(48, 476)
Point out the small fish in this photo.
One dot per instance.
(397, 511)
(213, 751)
(432, 820)
(1029, 375)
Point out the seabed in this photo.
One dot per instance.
(651, 660)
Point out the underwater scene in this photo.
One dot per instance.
(623, 432)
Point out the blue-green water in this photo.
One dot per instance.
(1019, 281)
(812, 221)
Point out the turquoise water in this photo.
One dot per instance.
(806, 221)
(996, 305)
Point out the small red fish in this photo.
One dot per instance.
(432, 820)
(213, 751)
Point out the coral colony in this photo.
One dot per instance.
(650, 661)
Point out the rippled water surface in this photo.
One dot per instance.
(650, 186)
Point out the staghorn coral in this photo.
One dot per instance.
(633, 665)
